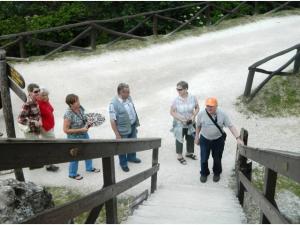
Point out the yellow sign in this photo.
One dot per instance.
(15, 76)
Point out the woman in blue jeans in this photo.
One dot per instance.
(76, 128)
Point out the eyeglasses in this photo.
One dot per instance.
(36, 91)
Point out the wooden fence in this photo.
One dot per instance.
(20, 153)
(254, 68)
(275, 161)
(93, 27)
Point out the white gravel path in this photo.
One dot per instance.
(213, 64)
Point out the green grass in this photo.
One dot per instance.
(283, 183)
(151, 40)
(62, 195)
(279, 97)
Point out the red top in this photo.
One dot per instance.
(47, 115)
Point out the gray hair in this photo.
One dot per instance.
(183, 84)
(121, 87)
(44, 91)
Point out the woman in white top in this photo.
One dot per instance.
(184, 109)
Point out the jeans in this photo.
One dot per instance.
(189, 143)
(217, 148)
(73, 167)
(124, 158)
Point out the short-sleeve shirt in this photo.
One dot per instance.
(185, 106)
(77, 120)
(208, 128)
(128, 107)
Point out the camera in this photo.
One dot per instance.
(188, 122)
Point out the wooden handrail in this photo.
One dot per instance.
(274, 161)
(20, 153)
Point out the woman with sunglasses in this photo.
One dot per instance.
(76, 127)
(184, 109)
(30, 115)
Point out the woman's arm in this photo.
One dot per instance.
(67, 129)
(175, 115)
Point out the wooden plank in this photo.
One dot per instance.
(17, 59)
(232, 12)
(93, 43)
(271, 72)
(249, 83)
(154, 163)
(55, 44)
(101, 28)
(69, 26)
(6, 46)
(277, 9)
(22, 47)
(7, 108)
(18, 91)
(269, 210)
(109, 178)
(130, 31)
(62, 214)
(282, 162)
(260, 62)
(173, 20)
(269, 191)
(187, 22)
(79, 36)
(24, 152)
(15, 76)
(154, 27)
(92, 217)
(297, 62)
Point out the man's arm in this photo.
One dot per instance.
(115, 129)
(236, 134)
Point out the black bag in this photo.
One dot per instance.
(224, 135)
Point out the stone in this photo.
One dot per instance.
(21, 200)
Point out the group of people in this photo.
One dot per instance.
(36, 120)
(204, 128)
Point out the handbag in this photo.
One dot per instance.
(224, 135)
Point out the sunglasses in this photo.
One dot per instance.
(36, 91)
(179, 89)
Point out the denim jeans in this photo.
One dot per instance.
(124, 158)
(216, 147)
(73, 167)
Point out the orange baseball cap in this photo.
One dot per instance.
(211, 101)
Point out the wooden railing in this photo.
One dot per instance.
(254, 68)
(274, 161)
(92, 27)
(20, 153)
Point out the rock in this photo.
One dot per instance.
(21, 200)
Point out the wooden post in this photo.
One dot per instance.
(269, 191)
(93, 38)
(297, 62)
(249, 82)
(7, 107)
(207, 14)
(242, 166)
(155, 20)
(256, 8)
(154, 176)
(22, 48)
(109, 179)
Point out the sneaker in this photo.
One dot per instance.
(52, 168)
(216, 178)
(203, 179)
(136, 160)
(125, 168)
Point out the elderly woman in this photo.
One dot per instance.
(76, 127)
(47, 128)
(184, 109)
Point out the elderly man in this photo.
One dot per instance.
(124, 121)
(210, 123)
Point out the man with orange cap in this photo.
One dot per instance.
(211, 137)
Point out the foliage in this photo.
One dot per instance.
(279, 97)
(21, 16)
